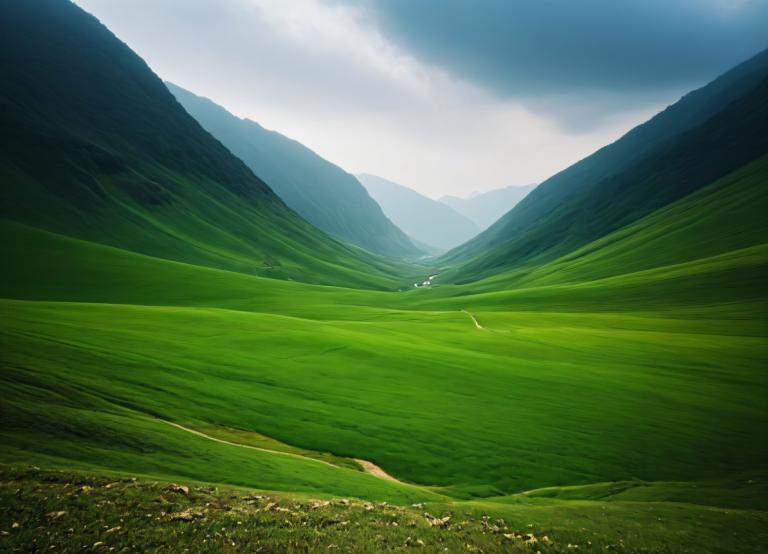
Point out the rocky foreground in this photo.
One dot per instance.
(55, 511)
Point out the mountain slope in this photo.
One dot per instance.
(705, 252)
(94, 146)
(725, 218)
(426, 220)
(707, 134)
(487, 207)
(321, 192)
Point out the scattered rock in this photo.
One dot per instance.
(439, 522)
(414, 542)
(56, 515)
(186, 515)
(178, 488)
(274, 507)
(527, 538)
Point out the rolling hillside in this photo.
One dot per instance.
(427, 221)
(484, 208)
(319, 191)
(94, 146)
(704, 136)
(649, 343)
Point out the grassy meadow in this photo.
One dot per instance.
(602, 401)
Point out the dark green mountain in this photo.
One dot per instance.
(485, 208)
(428, 221)
(706, 135)
(94, 146)
(321, 192)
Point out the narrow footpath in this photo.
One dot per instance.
(474, 319)
(368, 467)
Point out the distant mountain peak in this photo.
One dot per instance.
(484, 208)
(426, 220)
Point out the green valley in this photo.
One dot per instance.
(187, 365)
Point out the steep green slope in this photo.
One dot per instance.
(486, 207)
(705, 253)
(704, 236)
(94, 146)
(707, 134)
(721, 219)
(427, 221)
(321, 192)
(720, 227)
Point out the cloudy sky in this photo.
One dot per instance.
(444, 96)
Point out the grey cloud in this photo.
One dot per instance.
(535, 47)
(432, 93)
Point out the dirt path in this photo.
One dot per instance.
(368, 467)
(373, 469)
(474, 319)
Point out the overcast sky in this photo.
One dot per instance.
(444, 96)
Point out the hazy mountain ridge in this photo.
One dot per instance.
(320, 191)
(428, 221)
(485, 208)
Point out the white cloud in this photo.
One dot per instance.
(324, 75)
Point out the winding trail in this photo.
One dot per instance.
(368, 467)
(373, 469)
(474, 319)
